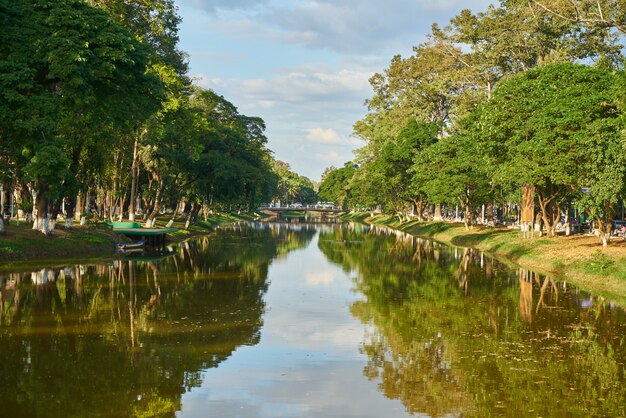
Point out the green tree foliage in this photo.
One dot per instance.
(514, 107)
(456, 333)
(602, 14)
(555, 127)
(154, 23)
(137, 350)
(101, 86)
(77, 72)
(453, 171)
(293, 188)
(336, 185)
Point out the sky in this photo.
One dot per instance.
(304, 65)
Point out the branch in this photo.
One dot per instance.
(569, 19)
(601, 21)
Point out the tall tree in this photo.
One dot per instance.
(542, 118)
(81, 72)
(336, 185)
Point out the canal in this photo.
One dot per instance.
(306, 320)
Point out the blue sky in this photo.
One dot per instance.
(303, 65)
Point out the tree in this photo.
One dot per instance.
(604, 164)
(453, 170)
(293, 187)
(77, 73)
(336, 185)
(540, 119)
(234, 165)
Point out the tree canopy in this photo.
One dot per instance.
(525, 96)
(98, 117)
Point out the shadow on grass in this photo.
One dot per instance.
(477, 238)
(497, 240)
(427, 229)
(510, 251)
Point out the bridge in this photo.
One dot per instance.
(303, 208)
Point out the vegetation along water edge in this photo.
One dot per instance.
(577, 259)
(21, 246)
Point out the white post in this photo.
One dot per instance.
(45, 225)
(3, 200)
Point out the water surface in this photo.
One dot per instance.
(302, 320)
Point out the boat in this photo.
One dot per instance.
(125, 246)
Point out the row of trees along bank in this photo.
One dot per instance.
(521, 105)
(97, 114)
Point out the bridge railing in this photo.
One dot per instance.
(301, 207)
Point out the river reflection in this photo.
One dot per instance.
(456, 333)
(129, 337)
(306, 320)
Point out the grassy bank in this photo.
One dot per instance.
(21, 246)
(578, 259)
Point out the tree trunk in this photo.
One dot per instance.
(605, 237)
(3, 199)
(419, 208)
(468, 216)
(437, 216)
(120, 215)
(18, 196)
(79, 206)
(490, 213)
(192, 213)
(468, 209)
(56, 208)
(550, 212)
(171, 221)
(41, 204)
(538, 226)
(527, 209)
(157, 206)
(133, 184)
(70, 203)
(605, 223)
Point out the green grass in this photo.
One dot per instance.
(21, 245)
(599, 263)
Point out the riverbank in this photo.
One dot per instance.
(578, 259)
(20, 245)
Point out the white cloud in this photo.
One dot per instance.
(349, 26)
(330, 157)
(212, 6)
(323, 136)
(320, 278)
(303, 66)
(320, 90)
(329, 136)
(300, 85)
(305, 108)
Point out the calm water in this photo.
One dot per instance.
(304, 320)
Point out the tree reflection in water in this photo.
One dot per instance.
(454, 332)
(128, 338)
